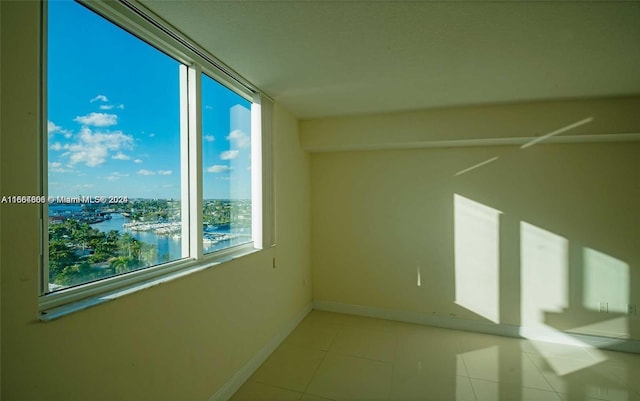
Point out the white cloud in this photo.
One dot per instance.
(239, 138)
(115, 176)
(137, 161)
(93, 149)
(56, 167)
(229, 154)
(101, 98)
(121, 106)
(145, 172)
(52, 128)
(106, 106)
(209, 138)
(165, 172)
(218, 169)
(151, 135)
(82, 186)
(56, 146)
(121, 156)
(97, 119)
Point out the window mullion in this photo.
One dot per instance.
(195, 160)
(266, 170)
(262, 183)
(256, 173)
(184, 159)
(44, 148)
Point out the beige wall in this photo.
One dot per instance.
(178, 341)
(539, 237)
(578, 120)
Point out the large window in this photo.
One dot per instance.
(151, 153)
(226, 157)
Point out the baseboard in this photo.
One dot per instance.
(237, 380)
(536, 334)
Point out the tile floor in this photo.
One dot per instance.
(332, 356)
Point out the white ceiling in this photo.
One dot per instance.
(327, 58)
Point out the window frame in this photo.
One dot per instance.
(140, 22)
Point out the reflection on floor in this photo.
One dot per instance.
(332, 356)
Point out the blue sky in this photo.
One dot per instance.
(113, 116)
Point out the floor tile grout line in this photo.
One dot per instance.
(306, 387)
(473, 389)
(393, 363)
(333, 340)
(359, 357)
(350, 355)
(341, 329)
(464, 363)
(273, 385)
(509, 382)
(542, 374)
(317, 368)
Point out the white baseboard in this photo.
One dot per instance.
(237, 380)
(536, 334)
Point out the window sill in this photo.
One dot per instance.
(47, 314)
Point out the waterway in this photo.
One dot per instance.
(169, 247)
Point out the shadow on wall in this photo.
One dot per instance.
(544, 272)
(565, 288)
(592, 297)
(552, 303)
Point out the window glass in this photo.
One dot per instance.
(226, 156)
(113, 145)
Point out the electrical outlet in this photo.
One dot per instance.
(631, 309)
(604, 307)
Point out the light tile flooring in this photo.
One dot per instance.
(332, 356)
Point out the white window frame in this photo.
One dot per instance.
(141, 22)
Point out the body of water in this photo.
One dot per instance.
(169, 247)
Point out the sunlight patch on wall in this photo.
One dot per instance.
(557, 132)
(475, 166)
(544, 261)
(477, 257)
(606, 280)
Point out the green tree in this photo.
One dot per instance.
(148, 255)
(76, 274)
(123, 264)
(76, 249)
(61, 255)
